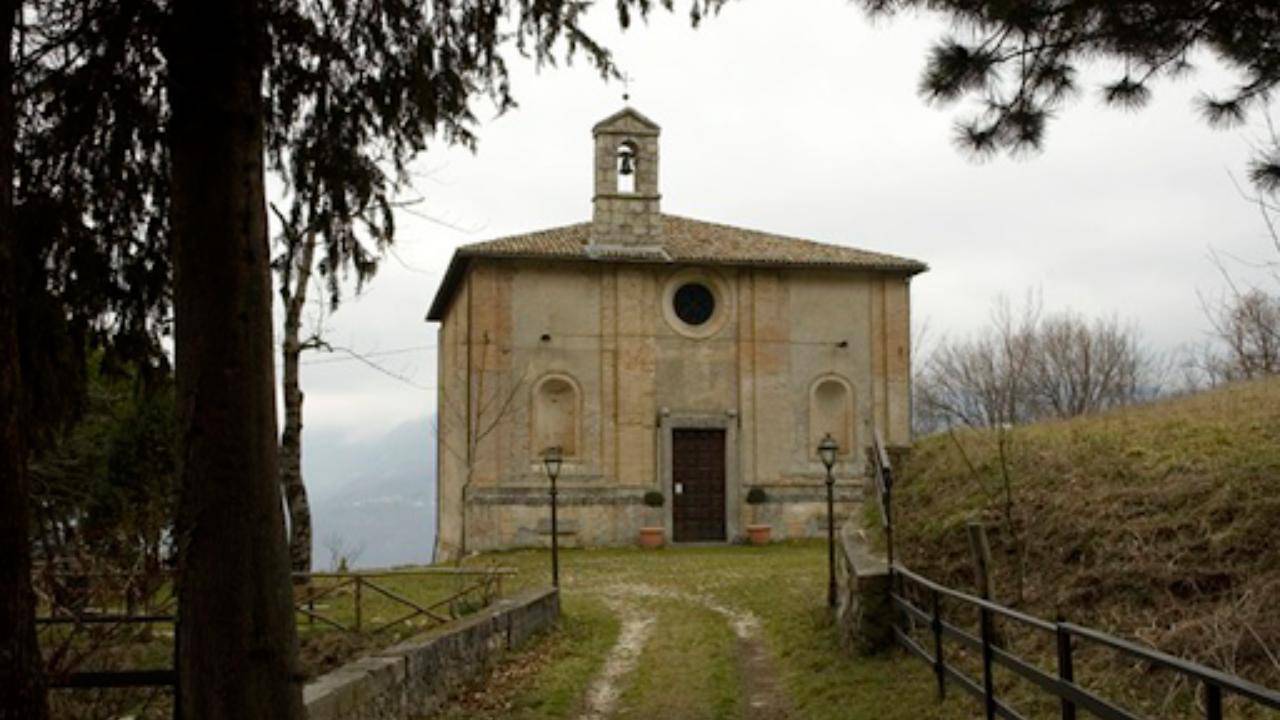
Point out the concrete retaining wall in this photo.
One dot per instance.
(413, 679)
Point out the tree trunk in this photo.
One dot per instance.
(21, 668)
(237, 647)
(295, 492)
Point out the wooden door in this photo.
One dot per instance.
(697, 475)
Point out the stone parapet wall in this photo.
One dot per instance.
(864, 612)
(526, 521)
(415, 678)
(519, 518)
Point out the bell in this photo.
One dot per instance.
(627, 166)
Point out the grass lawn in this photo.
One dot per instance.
(691, 665)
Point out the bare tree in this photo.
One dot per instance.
(1247, 327)
(1081, 367)
(295, 268)
(343, 555)
(983, 381)
(1023, 367)
(1245, 320)
(490, 401)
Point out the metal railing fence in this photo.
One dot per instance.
(987, 644)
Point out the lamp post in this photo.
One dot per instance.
(551, 459)
(827, 450)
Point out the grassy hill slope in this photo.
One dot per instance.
(1160, 522)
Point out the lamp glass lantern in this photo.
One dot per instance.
(552, 458)
(827, 450)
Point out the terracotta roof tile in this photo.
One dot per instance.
(687, 241)
(684, 240)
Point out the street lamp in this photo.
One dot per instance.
(827, 450)
(551, 459)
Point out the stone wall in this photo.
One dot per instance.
(864, 613)
(413, 679)
(629, 374)
(621, 218)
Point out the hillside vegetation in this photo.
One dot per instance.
(1159, 522)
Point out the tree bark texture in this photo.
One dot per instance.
(21, 668)
(295, 491)
(237, 647)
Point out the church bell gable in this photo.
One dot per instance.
(626, 202)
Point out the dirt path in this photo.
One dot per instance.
(762, 693)
(708, 633)
(637, 625)
(765, 700)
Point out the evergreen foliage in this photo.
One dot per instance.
(142, 128)
(102, 491)
(354, 90)
(1020, 60)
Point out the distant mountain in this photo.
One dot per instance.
(375, 498)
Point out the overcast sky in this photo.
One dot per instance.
(807, 122)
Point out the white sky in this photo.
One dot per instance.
(807, 122)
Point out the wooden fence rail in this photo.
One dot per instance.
(487, 582)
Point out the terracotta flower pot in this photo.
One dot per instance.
(652, 537)
(759, 534)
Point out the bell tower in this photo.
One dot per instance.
(626, 182)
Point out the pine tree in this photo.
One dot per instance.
(21, 685)
(1020, 61)
(145, 129)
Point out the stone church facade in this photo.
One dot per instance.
(660, 353)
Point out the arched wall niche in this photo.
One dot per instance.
(556, 416)
(831, 411)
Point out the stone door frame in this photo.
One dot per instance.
(676, 420)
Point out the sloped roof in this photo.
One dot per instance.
(684, 241)
(627, 117)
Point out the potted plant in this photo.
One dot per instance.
(653, 534)
(758, 532)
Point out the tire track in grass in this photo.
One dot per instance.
(763, 696)
(602, 694)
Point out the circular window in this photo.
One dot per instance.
(694, 303)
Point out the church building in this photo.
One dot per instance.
(661, 355)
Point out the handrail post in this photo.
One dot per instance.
(311, 602)
(939, 664)
(988, 681)
(1066, 669)
(1212, 701)
(359, 595)
(887, 481)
